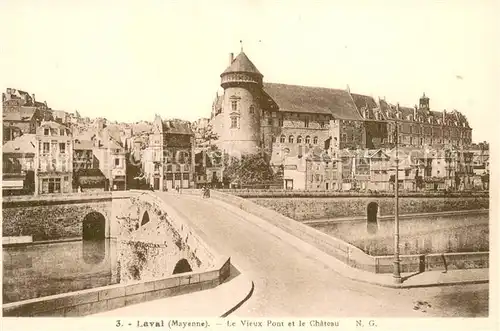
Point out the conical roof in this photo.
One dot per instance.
(242, 64)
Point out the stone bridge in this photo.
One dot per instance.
(142, 223)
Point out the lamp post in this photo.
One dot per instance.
(397, 266)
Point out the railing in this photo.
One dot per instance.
(307, 193)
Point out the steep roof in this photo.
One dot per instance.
(53, 125)
(242, 64)
(316, 100)
(15, 116)
(83, 144)
(363, 101)
(23, 144)
(218, 102)
(177, 127)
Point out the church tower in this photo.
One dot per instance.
(241, 109)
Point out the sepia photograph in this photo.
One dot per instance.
(249, 164)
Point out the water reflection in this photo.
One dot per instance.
(94, 251)
(469, 233)
(57, 268)
(38, 270)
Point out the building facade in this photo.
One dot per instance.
(22, 114)
(169, 159)
(18, 165)
(252, 115)
(54, 159)
(110, 157)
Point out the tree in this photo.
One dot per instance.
(207, 134)
(250, 169)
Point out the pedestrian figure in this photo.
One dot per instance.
(444, 263)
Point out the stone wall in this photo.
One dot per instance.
(50, 221)
(96, 300)
(350, 254)
(303, 208)
(152, 250)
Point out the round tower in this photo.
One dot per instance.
(241, 109)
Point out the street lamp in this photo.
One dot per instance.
(397, 265)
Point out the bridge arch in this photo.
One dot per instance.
(94, 226)
(182, 266)
(372, 217)
(145, 218)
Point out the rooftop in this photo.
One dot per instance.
(83, 144)
(23, 144)
(242, 64)
(315, 100)
(177, 127)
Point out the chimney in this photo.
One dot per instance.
(444, 115)
(415, 113)
(231, 58)
(33, 98)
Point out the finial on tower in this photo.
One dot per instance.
(241, 45)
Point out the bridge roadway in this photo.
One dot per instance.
(293, 281)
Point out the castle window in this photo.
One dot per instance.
(299, 140)
(46, 132)
(280, 121)
(290, 139)
(274, 139)
(308, 140)
(322, 124)
(234, 105)
(282, 139)
(315, 140)
(61, 132)
(234, 122)
(270, 121)
(252, 109)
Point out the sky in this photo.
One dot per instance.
(130, 60)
